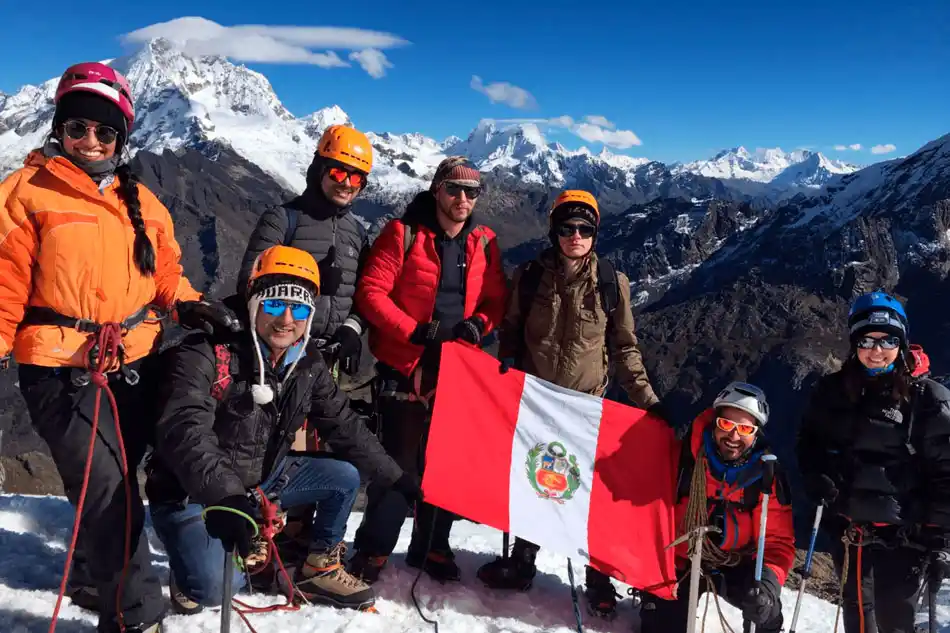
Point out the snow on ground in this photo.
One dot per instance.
(34, 533)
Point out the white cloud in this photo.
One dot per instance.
(599, 121)
(586, 130)
(504, 92)
(855, 146)
(883, 149)
(373, 61)
(844, 148)
(274, 44)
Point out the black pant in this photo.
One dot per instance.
(891, 580)
(404, 427)
(62, 414)
(732, 584)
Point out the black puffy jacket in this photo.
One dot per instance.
(208, 449)
(335, 238)
(889, 458)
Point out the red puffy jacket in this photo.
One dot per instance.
(396, 290)
(741, 525)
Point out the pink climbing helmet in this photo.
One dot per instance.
(101, 80)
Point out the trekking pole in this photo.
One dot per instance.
(226, 597)
(696, 538)
(768, 474)
(806, 573)
(933, 586)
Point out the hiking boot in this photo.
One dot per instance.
(600, 595)
(513, 573)
(365, 567)
(322, 578)
(181, 604)
(439, 565)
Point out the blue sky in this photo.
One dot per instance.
(685, 79)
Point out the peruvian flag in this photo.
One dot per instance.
(585, 477)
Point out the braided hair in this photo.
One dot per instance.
(144, 252)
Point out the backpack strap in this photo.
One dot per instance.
(222, 371)
(293, 217)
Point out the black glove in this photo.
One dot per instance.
(348, 348)
(659, 410)
(331, 276)
(408, 486)
(425, 333)
(939, 567)
(821, 489)
(506, 363)
(469, 330)
(759, 604)
(208, 315)
(234, 531)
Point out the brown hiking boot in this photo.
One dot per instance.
(365, 567)
(181, 603)
(322, 578)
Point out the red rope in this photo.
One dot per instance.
(106, 343)
(858, 581)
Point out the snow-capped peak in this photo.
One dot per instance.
(768, 165)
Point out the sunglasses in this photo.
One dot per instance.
(567, 230)
(352, 178)
(888, 342)
(77, 130)
(454, 189)
(744, 428)
(277, 307)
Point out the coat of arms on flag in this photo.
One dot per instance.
(571, 472)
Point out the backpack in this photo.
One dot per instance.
(293, 217)
(222, 371)
(409, 238)
(608, 286)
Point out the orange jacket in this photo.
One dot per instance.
(741, 527)
(67, 246)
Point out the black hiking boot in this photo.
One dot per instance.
(600, 595)
(365, 567)
(439, 565)
(513, 573)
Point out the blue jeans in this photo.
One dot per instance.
(197, 560)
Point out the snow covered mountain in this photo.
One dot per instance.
(773, 165)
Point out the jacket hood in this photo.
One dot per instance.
(421, 212)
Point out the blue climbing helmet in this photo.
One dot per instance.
(878, 311)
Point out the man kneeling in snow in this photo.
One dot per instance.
(720, 484)
(232, 404)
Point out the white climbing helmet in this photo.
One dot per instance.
(749, 398)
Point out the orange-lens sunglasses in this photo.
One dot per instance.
(726, 425)
(337, 174)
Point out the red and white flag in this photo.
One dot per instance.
(585, 477)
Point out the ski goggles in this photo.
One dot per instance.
(869, 342)
(567, 230)
(454, 189)
(277, 307)
(352, 178)
(77, 130)
(743, 428)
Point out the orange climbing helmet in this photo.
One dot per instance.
(348, 146)
(285, 261)
(576, 196)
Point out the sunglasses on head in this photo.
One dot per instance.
(888, 342)
(77, 130)
(744, 428)
(454, 189)
(567, 230)
(277, 307)
(352, 178)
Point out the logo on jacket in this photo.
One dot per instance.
(552, 472)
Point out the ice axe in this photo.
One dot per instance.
(806, 573)
(226, 597)
(768, 475)
(696, 538)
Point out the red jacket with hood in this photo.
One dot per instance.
(724, 500)
(397, 289)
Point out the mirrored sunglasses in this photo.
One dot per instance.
(454, 189)
(77, 130)
(277, 307)
(744, 428)
(352, 178)
(567, 230)
(888, 342)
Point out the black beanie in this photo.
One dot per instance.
(567, 212)
(81, 104)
